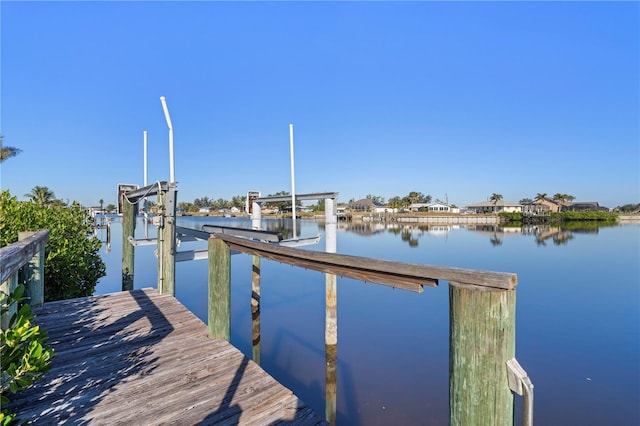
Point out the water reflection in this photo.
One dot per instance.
(542, 233)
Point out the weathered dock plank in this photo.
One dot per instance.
(142, 358)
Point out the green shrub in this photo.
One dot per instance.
(22, 355)
(73, 264)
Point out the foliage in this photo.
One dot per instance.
(629, 208)
(375, 198)
(511, 216)
(415, 197)
(22, 354)
(600, 216)
(41, 195)
(7, 151)
(319, 207)
(72, 262)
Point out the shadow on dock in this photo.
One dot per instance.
(143, 358)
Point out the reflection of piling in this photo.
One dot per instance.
(331, 386)
(331, 315)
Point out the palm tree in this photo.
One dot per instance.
(7, 151)
(494, 199)
(541, 196)
(41, 195)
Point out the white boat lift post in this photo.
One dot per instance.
(293, 183)
(144, 210)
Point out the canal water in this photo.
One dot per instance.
(577, 322)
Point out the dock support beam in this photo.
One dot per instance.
(129, 213)
(167, 241)
(34, 275)
(256, 218)
(219, 307)
(481, 341)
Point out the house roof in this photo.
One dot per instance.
(500, 203)
(367, 202)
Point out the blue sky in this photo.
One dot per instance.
(451, 99)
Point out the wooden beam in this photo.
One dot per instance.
(241, 232)
(373, 270)
(14, 256)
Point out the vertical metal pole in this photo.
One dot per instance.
(293, 183)
(168, 118)
(145, 158)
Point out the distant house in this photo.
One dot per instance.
(583, 206)
(368, 205)
(553, 206)
(499, 207)
(544, 205)
(433, 207)
(204, 210)
(535, 208)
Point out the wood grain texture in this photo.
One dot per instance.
(481, 341)
(14, 256)
(409, 276)
(141, 358)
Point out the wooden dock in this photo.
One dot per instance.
(141, 358)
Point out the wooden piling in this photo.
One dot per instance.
(34, 275)
(255, 308)
(219, 308)
(167, 241)
(129, 213)
(481, 341)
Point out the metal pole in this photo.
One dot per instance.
(168, 118)
(293, 182)
(145, 158)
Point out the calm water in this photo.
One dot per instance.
(578, 317)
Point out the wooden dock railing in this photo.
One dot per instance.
(483, 371)
(26, 255)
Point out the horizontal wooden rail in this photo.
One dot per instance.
(396, 274)
(16, 255)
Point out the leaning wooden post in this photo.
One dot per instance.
(219, 309)
(481, 341)
(129, 213)
(34, 275)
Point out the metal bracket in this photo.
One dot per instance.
(520, 383)
(142, 241)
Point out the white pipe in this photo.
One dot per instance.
(168, 118)
(145, 158)
(293, 182)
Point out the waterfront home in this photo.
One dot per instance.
(495, 207)
(368, 205)
(583, 206)
(432, 207)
